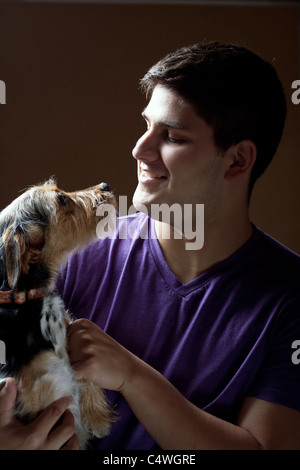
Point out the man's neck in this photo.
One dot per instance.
(221, 240)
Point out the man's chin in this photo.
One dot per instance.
(141, 206)
(141, 201)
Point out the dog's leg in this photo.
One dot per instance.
(96, 415)
(53, 326)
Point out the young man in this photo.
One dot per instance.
(195, 345)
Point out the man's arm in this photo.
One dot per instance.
(172, 421)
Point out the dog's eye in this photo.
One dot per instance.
(62, 199)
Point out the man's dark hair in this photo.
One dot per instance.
(234, 90)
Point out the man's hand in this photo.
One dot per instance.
(38, 435)
(96, 356)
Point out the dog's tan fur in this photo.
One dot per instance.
(37, 390)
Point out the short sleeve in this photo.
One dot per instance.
(278, 378)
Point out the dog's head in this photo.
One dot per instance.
(40, 228)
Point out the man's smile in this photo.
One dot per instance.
(146, 174)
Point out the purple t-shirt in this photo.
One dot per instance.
(222, 337)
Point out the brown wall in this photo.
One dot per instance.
(73, 105)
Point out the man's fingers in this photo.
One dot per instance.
(71, 444)
(78, 370)
(52, 429)
(8, 395)
(62, 437)
(43, 424)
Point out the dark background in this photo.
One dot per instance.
(73, 105)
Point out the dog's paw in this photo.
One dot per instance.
(53, 326)
(96, 415)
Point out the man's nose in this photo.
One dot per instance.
(146, 148)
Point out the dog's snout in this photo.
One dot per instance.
(105, 187)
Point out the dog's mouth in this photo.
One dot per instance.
(106, 196)
(103, 202)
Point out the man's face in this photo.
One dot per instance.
(178, 161)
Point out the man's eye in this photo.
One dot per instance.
(175, 141)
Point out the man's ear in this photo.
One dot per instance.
(19, 255)
(242, 158)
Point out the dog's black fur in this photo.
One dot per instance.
(34, 332)
(17, 322)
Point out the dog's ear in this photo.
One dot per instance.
(20, 253)
(14, 247)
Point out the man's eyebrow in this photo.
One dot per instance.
(172, 124)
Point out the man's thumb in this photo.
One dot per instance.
(8, 394)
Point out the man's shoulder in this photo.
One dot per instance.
(277, 265)
(279, 252)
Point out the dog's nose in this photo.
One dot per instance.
(105, 187)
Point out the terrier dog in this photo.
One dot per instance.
(38, 231)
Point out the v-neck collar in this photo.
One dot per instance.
(174, 283)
